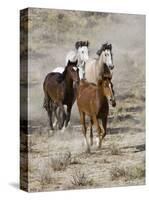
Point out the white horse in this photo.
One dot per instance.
(95, 68)
(81, 54)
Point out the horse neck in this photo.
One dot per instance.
(68, 80)
(100, 65)
(78, 58)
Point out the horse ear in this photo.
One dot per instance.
(76, 62)
(110, 45)
(87, 43)
(77, 44)
(68, 63)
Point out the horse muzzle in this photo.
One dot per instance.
(111, 67)
(113, 102)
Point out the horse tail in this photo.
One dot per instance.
(47, 103)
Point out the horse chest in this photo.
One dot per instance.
(68, 96)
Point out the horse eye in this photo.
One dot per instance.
(82, 51)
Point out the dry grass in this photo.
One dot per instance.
(80, 179)
(46, 177)
(61, 162)
(135, 172)
(118, 172)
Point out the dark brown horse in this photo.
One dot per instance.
(92, 100)
(59, 91)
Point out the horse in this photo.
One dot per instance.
(81, 54)
(92, 100)
(59, 91)
(95, 68)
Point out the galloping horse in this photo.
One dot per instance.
(81, 54)
(59, 91)
(95, 68)
(92, 100)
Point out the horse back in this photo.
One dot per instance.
(87, 98)
(90, 70)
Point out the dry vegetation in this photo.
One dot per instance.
(80, 179)
(61, 162)
(57, 160)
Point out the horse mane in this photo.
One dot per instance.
(81, 44)
(65, 71)
(103, 48)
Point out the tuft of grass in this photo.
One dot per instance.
(118, 172)
(115, 150)
(61, 161)
(80, 179)
(137, 172)
(45, 176)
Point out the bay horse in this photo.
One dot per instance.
(95, 68)
(59, 91)
(92, 100)
(80, 54)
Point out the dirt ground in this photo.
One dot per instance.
(58, 160)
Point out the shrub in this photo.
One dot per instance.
(80, 179)
(61, 161)
(118, 172)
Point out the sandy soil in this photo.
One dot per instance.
(120, 161)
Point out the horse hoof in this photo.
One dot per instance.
(63, 129)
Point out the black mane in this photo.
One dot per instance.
(104, 47)
(81, 44)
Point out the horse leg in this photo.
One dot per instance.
(63, 118)
(100, 131)
(84, 129)
(49, 110)
(56, 117)
(104, 123)
(68, 115)
(91, 132)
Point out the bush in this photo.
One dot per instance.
(80, 179)
(118, 172)
(61, 161)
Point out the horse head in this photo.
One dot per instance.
(82, 50)
(73, 71)
(107, 87)
(106, 52)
